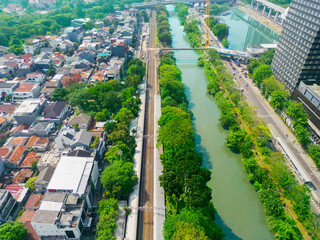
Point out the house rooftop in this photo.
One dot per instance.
(8, 108)
(25, 87)
(30, 158)
(71, 174)
(45, 216)
(53, 110)
(29, 106)
(17, 154)
(34, 201)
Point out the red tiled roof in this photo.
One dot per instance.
(26, 56)
(26, 216)
(29, 159)
(17, 154)
(8, 108)
(32, 235)
(22, 175)
(15, 190)
(18, 141)
(25, 87)
(33, 201)
(4, 152)
(21, 127)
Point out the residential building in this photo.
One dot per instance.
(28, 110)
(48, 159)
(43, 179)
(41, 128)
(8, 206)
(40, 144)
(74, 34)
(17, 156)
(1, 166)
(36, 77)
(61, 216)
(54, 112)
(82, 139)
(65, 137)
(82, 120)
(26, 90)
(7, 88)
(6, 111)
(119, 49)
(297, 56)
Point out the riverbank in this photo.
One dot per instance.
(285, 200)
(240, 213)
(261, 19)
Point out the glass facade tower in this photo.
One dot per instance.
(297, 57)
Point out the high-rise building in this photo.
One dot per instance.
(297, 57)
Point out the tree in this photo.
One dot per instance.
(103, 115)
(132, 81)
(262, 72)
(119, 152)
(59, 94)
(278, 99)
(109, 126)
(108, 213)
(51, 71)
(124, 116)
(119, 179)
(79, 98)
(220, 30)
(88, 25)
(30, 183)
(225, 42)
(182, 225)
(79, 11)
(99, 16)
(13, 231)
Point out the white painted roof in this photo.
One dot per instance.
(50, 206)
(269, 45)
(71, 174)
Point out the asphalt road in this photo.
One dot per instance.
(277, 127)
(145, 218)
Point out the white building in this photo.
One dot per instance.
(26, 90)
(35, 77)
(72, 175)
(61, 216)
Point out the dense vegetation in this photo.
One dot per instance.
(192, 27)
(286, 202)
(163, 27)
(118, 105)
(220, 30)
(279, 98)
(13, 231)
(190, 212)
(217, 9)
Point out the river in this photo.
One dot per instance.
(244, 31)
(240, 212)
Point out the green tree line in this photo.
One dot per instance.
(260, 71)
(190, 211)
(163, 27)
(267, 171)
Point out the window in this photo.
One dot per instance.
(70, 234)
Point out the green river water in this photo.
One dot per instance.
(240, 212)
